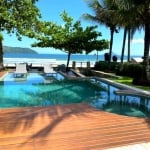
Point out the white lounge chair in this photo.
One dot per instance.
(21, 70)
(48, 70)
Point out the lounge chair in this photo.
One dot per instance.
(48, 70)
(21, 70)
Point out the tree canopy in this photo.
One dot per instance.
(132, 15)
(138, 18)
(103, 13)
(18, 17)
(71, 38)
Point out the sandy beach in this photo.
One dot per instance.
(11, 62)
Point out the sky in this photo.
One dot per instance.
(51, 10)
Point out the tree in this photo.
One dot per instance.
(19, 17)
(70, 38)
(104, 14)
(97, 45)
(123, 44)
(1, 52)
(141, 17)
(126, 21)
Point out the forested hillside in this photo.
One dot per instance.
(7, 49)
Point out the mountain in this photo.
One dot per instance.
(7, 49)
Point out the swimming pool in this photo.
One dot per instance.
(38, 90)
(133, 104)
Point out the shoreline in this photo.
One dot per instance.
(11, 62)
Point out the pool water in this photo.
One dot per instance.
(38, 90)
(128, 105)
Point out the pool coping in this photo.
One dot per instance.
(125, 89)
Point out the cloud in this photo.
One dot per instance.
(137, 41)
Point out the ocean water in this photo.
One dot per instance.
(81, 59)
(74, 57)
(39, 59)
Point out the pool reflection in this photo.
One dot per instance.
(130, 105)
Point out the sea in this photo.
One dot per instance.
(74, 57)
(38, 59)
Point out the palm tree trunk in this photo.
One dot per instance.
(97, 56)
(67, 67)
(146, 50)
(1, 55)
(129, 39)
(123, 45)
(111, 43)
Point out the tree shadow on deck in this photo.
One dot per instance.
(38, 122)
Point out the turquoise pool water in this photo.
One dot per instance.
(129, 105)
(38, 90)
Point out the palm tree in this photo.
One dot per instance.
(125, 20)
(123, 45)
(104, 14)
(141, 17)
(128, 31)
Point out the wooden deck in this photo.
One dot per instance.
(69, 127)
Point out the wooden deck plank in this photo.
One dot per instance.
(69, 127)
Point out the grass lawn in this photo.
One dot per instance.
(128, 81)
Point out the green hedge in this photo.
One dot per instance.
(135, 71)
(131, 70)
(105, 66)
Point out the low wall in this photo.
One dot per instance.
(104, 74)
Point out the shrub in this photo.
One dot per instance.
(131, 70)
(114, 58)
(101, 65)
(106, 57)
(106, 66)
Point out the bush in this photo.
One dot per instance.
(131, 70)
(141, 82)
(101, 65)
(106, 57)
(106, 66)
(114, 58)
